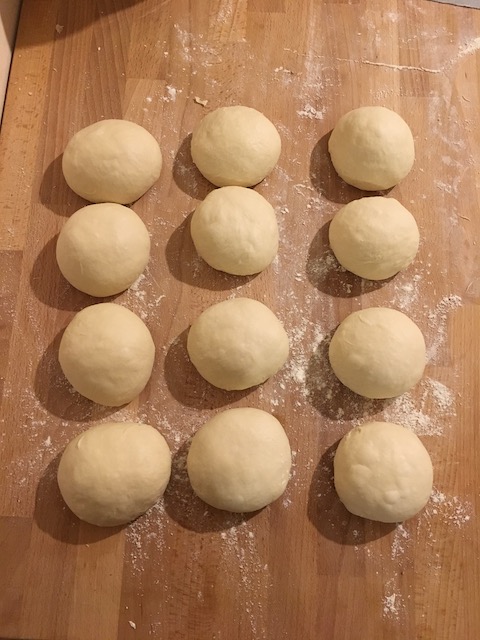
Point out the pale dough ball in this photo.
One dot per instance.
(235, 146)
(235, 230)
(103, 248)
(107, 353)
(112, 161)
(240, 460)
(374, 237)
(372, 148)
(113, 472)
(383, 472)
(378, 353)
(237, 344)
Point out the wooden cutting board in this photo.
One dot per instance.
(303, 567)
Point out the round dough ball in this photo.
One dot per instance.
(103, 248)
(378, 353)
(383, 472)
(112, 161)
(113, 472)
(372, 148)
(107, 353)
(235, 230)
(374, 237)
(240, 460)
(235, 146)
(237, 344)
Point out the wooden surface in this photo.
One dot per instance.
(302, 568)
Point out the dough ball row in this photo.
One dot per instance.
(107, 352)
(240, 459)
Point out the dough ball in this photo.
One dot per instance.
(235, 146)
(114, 472)
(237, 344)
(383, 472)
(103, 248)
(240, 460)
(374, 237)
(372, 148)
(235, 230)
(378, 353)
(112, 161)
(107, 353)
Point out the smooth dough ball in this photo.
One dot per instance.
(237, 344)
(372, 148)
(378, 353)
(240, 460)
(235, 146)
(107, 353)
(235, 230)
(103, 248)
(113, 472)
(383, 472)
(374, 237)
(112, 161)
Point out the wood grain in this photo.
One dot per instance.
(303, 567)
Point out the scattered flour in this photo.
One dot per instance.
(449, 508)
(443, 396)
(310, 112)
(400, 541)
(171, 93)
(393, 605)
(468, 47)
(425, 415)
(437, 323)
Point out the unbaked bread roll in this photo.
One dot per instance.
(374, 237)
(378, 352)
(113, 472)
(383, 472)
(235, 230)
(112, 161)
(240, 460)
(103, 248)
(372, 148)
(235, 146)
(237, 344)
(107, 354)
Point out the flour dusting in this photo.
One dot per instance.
(310, 112)
(437, 323)
(400, 542)
(449, 508)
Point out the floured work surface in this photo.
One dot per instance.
(303, 566)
